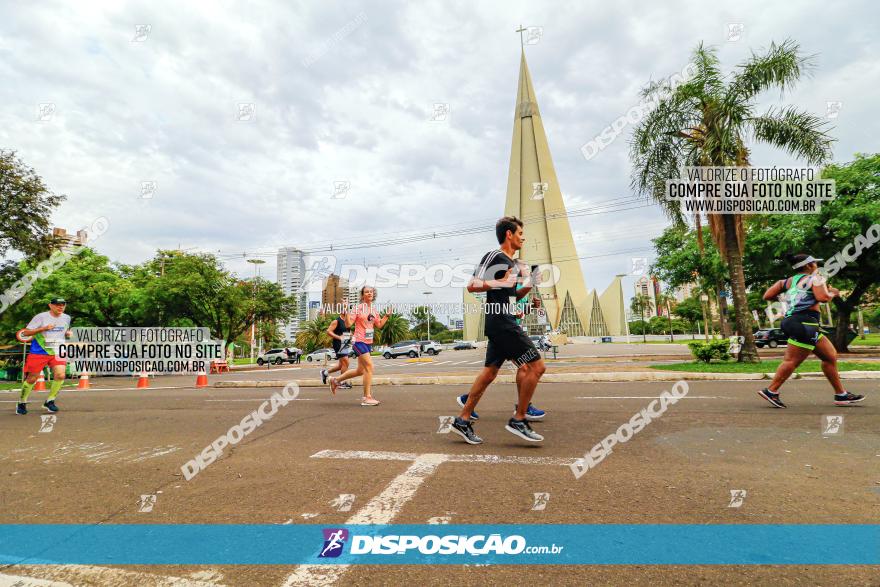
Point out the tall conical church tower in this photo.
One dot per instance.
(534, 196)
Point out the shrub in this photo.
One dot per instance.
(706, 351)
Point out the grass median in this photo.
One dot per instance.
(808, 366)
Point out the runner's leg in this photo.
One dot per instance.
(486, 376)
(828, 354)
(794, 356)
(526, 385)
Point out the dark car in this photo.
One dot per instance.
(463, 346)
(771, 337)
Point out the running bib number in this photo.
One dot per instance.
(368, 335)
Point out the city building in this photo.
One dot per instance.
(68, 242)
(535, 196)
(291, 270)
(334, 293)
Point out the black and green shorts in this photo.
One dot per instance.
(803, 329)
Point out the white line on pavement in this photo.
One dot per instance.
(383, 508)
(648, 397)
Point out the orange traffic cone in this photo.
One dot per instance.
(143, 381)
(202, 379)
(41, 383)
(83, 381)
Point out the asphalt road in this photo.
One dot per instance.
(108, 448)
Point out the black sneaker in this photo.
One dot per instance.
(523, 430)
(771, 397)
(324, 376)
(845, 399)
(21, 409)
(50, 405)
(466, 430)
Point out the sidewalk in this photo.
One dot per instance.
(591, 377)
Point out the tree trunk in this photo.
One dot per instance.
(840, 335)
(722, 313)
(749, 352)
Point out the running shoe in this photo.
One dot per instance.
(533, 414)
(345, 385)
(465, 429)
(324, 376)
(522, 429)
(462, 400)
(333, 385)
(771, 397)
(846, 399)
(370, 401)
(21, 409)
(50, 405)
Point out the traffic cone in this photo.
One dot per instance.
(143, 381)
(202, 379)
(83, 381)
(41, 383)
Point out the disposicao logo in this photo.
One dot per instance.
(334, 540)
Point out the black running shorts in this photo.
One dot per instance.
(510, 344)
(802, 329)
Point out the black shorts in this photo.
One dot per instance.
(802, 329)
(341, 350)
(510, 344)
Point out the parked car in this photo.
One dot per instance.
(274, 356)
(429, 347)
(320, 355)
(771, 337)
(463, 345)
(410, 348)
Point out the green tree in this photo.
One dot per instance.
(313, 334)
(26, 206)
(705, 122)
(96, 293)
(690, 309)
(395, 329)
(418, 318)
(641, 305)
(839, 229)
(181, 289)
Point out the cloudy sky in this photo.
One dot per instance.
(345, 92)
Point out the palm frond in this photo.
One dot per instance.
(800, 133)
(781, 66)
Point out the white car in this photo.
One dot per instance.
(274, 356)
(320, 355)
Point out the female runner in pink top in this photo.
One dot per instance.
(366, 319)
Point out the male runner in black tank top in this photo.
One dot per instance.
(497, 275)
(804, 291)
(336, 331)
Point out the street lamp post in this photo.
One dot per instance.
(428, 308)
(256, 263)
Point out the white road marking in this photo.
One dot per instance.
(95, 575)
(258, 399)
(460, 362)
(475, 362)
(442, 362)
(383, 508)
(648, 397)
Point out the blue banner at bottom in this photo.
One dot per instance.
(454, 544)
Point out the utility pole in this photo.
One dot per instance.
(256, 263)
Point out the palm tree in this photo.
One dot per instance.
(313, 334)
(395, 329)
(665, 300)
(706, 122)
(639, 305)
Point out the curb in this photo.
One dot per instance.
(624, 376)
